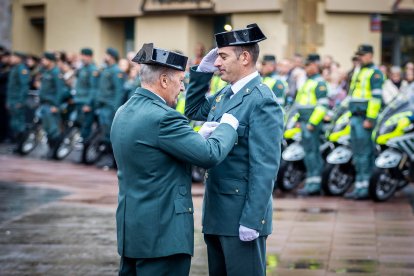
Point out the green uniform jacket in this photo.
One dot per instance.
(51, 87)
(86, 84)
(154, 148)
(18, 85)
(111, 87)
(239, 190)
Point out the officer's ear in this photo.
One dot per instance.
(164, 80)
(245, 58)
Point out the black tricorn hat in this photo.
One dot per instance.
(19, 54)
(364, 49)
(155, 56)
(250, 35)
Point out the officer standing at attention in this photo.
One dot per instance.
(51, 94)
(110, 94)
(238, 200)
(365, 104)
(86, 86)
(154, 148)
(270, 78)
(312, 103)
(17, 92)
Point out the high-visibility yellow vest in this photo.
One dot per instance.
(216, 84)
(306, 94)
(180, 103)
(362, 84)
(270, 82)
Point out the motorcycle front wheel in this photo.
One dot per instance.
(382, 185)
(337, 179)
(291, 175)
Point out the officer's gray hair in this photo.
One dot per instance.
(149, 74)
(252, 49)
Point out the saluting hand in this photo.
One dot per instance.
(207, 63)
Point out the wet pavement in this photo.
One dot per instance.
(57, 218)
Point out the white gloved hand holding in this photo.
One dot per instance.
(227, 118)
(247, 234)
(207, 129)
(207, 63)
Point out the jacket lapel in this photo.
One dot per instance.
(237, 99)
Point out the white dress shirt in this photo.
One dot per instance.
(238, 85)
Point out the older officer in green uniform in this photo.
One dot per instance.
(238, 208)
(270, 78)
(51, 94)
(154, 147)
(312, 103)
(110, 92)
(86, 86)
(17, 92)
(365, 104)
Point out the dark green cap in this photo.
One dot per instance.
(20, 54)
(312, 58)
(50, 56)
(269, 58)
(364, 49)
(87, 52)
(113, 52)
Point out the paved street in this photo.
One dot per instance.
(57, 218)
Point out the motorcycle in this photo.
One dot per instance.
(292, 169)
(34, 134)
(338, 174)
(71, 134)
(394, 136)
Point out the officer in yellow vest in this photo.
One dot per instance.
(312, 103)
(216, 84)
(270, 78)
(365, 104)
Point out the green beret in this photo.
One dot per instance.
(113, 52)
(87, 52)
(50, 56)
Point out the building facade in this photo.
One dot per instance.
(333, 27)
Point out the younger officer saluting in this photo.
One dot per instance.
(86, 86)
(154, 148)
(238, 210)
(17, 92)
(312, 103)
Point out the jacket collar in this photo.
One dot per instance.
(146, 93)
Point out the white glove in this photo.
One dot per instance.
(227, 118)
(207, 129)
(247, 234)
(207, 63)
